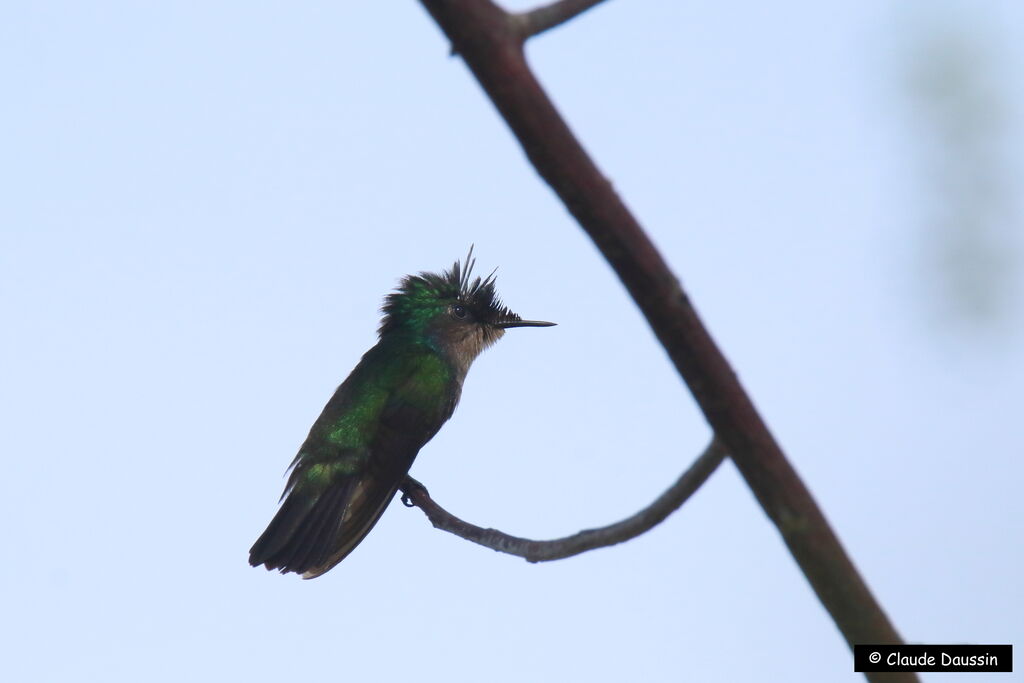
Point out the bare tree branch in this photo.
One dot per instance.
(415, 495)
(549, 16)
(489, 40)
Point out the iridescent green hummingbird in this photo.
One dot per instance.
(361, 447)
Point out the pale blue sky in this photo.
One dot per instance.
(204, 204)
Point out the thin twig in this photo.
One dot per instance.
(549, 16)
(415, 495)
(489, 41)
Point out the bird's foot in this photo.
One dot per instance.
(411, 487)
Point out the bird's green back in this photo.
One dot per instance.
(398, 385)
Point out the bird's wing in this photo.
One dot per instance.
(409, 418)
(337, 492)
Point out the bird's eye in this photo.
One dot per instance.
(459, 311)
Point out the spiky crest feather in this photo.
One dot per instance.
(421, 297)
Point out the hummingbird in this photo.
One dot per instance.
(361, 447)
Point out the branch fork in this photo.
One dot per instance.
(490, 41)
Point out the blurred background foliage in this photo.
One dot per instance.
(965, 122)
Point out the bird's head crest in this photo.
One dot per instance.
(421, 298)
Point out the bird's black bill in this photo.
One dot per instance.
(524, 323)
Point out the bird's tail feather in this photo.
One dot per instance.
(312, 532)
